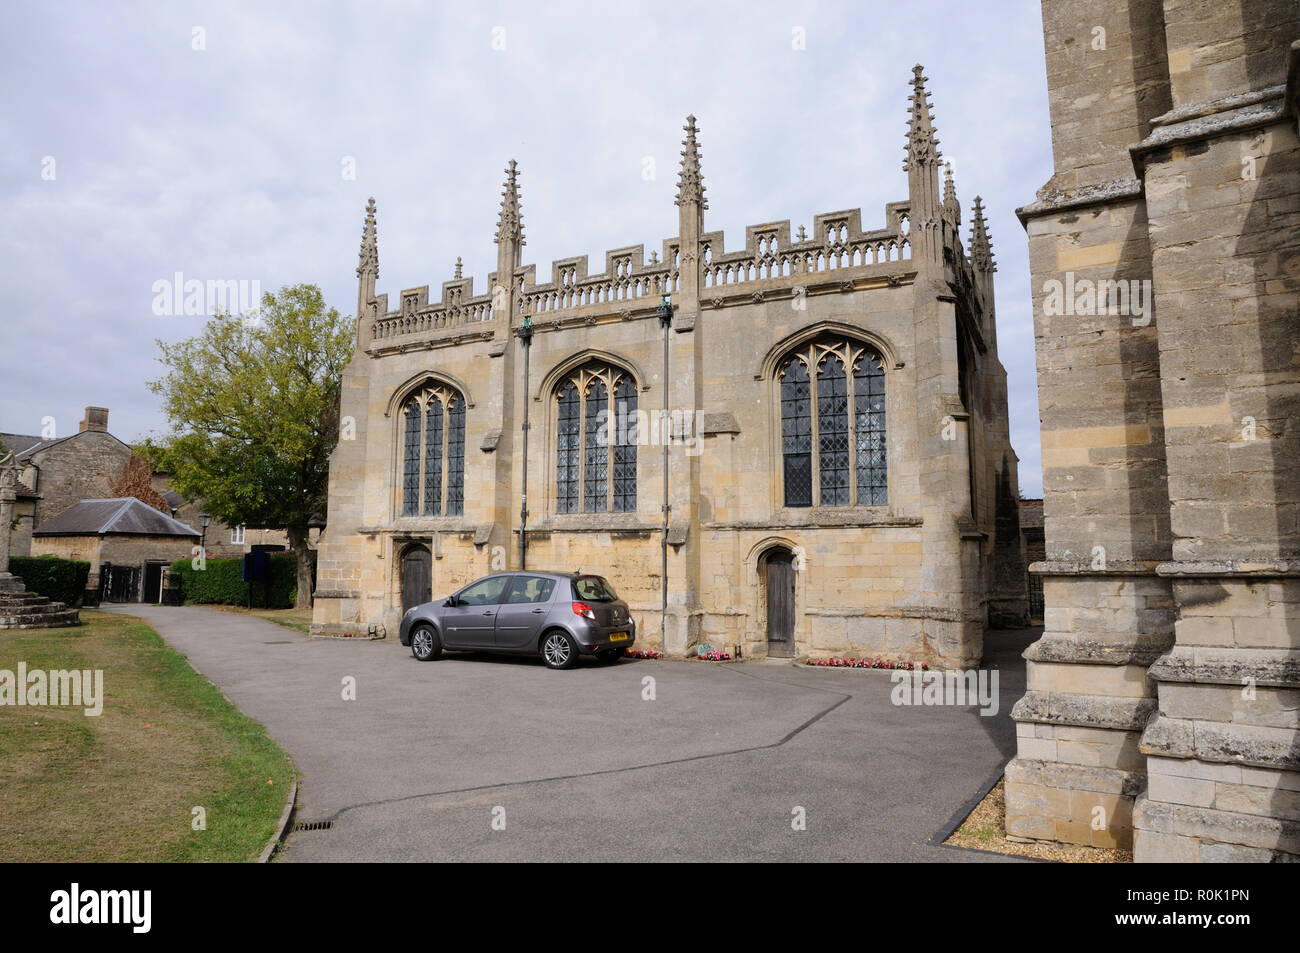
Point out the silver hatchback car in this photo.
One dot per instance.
(556, 615)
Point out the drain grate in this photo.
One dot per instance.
(285, 642)
(302, 826)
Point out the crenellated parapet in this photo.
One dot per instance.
(773, 260)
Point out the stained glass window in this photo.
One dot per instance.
(596, 421)
(566, 453)
(433, 453)
(846, 427)
(833, 432)
(456, 456)
(625, 447)
(869, 430)
(411, 462)
(595, 463)
(796, 435)
(433, 458)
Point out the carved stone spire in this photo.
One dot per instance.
(690, 183)
(981, 247)
(369, 262)
(951, 207)
(458, 268)
(921, 163)
(510, 225)
(922, 143)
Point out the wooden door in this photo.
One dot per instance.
(778, 568)
(417, 577)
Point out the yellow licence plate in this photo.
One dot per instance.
(619, 637)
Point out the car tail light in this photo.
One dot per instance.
(584, 610)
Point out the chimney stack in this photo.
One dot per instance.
(96, 419)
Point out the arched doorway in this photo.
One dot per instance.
(417, 576)
(776, 569)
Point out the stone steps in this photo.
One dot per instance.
(8, 600)
(31, 612)
(50, 619)
(20, 609)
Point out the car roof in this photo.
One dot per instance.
(554, 573)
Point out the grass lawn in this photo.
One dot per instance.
(121, 786)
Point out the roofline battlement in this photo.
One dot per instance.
(770, 255)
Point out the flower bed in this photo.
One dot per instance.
(862, 663)
(713, 655)
(642, 653)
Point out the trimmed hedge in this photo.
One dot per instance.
(63, 580)
(220, 583)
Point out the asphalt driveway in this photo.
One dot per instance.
(482, 758)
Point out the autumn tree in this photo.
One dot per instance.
(252, 403)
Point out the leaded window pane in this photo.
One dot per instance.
(433, 458)
(596, 449)
(869, 430)
(411, 462)
(796, 435)
(455, 456)
(625, 446)
(833, 432)
(566, 454)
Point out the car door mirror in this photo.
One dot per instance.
(452, 601)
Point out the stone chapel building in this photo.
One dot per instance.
(839, 473)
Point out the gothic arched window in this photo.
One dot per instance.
(833, 454)
(595, 420)
(433, 455)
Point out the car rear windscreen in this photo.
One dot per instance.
(593, 589)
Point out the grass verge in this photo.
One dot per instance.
(123, 785)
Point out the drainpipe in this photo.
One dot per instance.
(525, 332)
(666, 320)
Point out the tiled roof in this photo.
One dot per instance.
(21, 444)
(126, 516)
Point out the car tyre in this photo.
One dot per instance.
(559, 649)
(426, 644)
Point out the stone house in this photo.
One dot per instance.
(1161, 709)
(92, 464)
(62, 471)
(824, 409)
(134, 539)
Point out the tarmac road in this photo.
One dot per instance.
(481, 758)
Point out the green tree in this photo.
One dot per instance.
(252, 403)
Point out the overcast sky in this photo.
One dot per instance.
(227, 161)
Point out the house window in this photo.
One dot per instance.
(433, 453)
(595, 446)
(833, 426)
(237, 535)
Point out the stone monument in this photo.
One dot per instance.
(20, 609)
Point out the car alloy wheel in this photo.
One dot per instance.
(559, 650)
(425, 644)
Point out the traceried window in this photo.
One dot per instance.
(595, 447)
(833, 426)
(433, 453)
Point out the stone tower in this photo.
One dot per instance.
(1165, 250)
